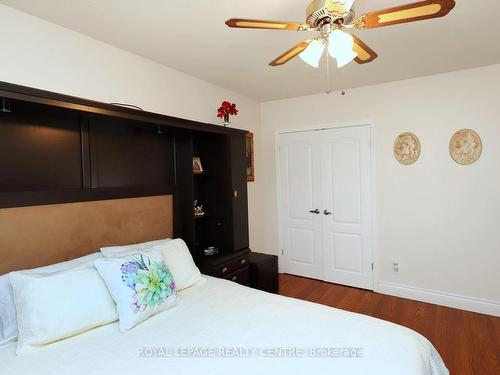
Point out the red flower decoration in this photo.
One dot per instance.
(227, 109)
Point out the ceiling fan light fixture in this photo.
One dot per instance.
(340, 47)
(347, 4)
(312, 54)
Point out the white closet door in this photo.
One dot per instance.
(301, 229)
(346, 212)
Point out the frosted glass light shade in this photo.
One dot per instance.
(341, 47)
(312, 54)
(347, 4)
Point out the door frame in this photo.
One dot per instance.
(373, 230)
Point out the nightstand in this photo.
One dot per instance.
(264, 272)
(234, 267)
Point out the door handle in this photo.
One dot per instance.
(316, 211)
(326, 212)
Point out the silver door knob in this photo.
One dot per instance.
(316, 211)
(326, 212)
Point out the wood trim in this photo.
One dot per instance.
(440, 298)
(12, 91)
(371, 20)
(291, 53)
(85, 140)
(40, 198)
(242, 23)
(361, 45)
(92, 155)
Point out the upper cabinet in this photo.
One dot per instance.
(125, 153)
(60, 149)
(39, 149)
(239, 206)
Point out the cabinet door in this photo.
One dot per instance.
(239, 192)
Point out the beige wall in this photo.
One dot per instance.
(40, 54)
(438, 219)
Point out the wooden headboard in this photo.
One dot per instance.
(42, 235)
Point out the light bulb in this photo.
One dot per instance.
(312, 54)
(341, 47)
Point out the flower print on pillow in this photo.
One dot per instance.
(141, 286)
(151, 282)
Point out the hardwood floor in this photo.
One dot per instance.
(469, 343)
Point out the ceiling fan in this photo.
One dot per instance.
(330, 17)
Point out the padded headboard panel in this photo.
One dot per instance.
(42, 235)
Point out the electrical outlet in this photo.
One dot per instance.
(395, 266)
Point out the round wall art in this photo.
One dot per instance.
(407, 148)
(466, 146)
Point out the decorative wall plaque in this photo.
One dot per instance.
(407, 148)
(466, 146)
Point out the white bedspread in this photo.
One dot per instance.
(220, 315)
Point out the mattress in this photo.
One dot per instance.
(220, 327)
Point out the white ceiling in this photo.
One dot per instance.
(191, 36)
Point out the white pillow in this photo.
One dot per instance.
(177, 256)
(121, 251)
(8, 324)
(8, 320)
(51, 307)
(141, 285)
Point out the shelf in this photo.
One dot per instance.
(203, 175)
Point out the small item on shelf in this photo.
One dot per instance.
(197, 167)
(198, 209)
(227, 109)
(210, 251)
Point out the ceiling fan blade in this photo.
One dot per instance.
(268, 25)
(422, 10)
(291, 53)
(365, 53)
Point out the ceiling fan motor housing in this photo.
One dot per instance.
(320, 10)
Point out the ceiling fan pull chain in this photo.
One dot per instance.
(328, 79)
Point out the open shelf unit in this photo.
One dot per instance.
(212, 189)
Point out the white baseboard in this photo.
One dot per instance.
(440, 298)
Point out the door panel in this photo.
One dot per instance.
(300, 230)
(346, 186)
(300, 244)
(300, 180)
(345, 179)
(344, 258)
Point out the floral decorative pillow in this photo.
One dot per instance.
(141, 286)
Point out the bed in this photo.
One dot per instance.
(219, 327)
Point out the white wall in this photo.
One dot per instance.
(43, 55)
(438, 219)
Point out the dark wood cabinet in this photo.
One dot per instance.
(222, 190)
(58, 149)
(264, 272)
(239, 207)
(234, 267)
(127, 153)
(240, 276)
(39, 149)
